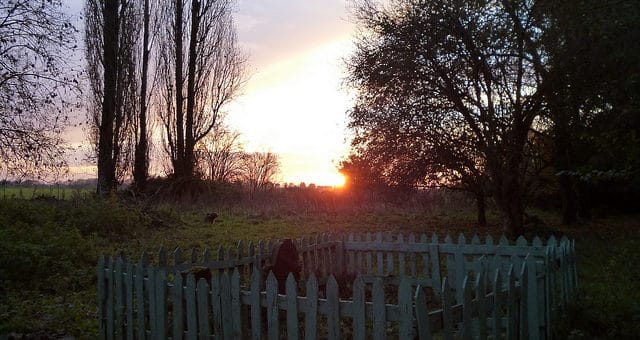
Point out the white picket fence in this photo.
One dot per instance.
(488, 290)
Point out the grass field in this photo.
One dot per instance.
(49, 248)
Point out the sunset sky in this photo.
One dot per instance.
(294, 103)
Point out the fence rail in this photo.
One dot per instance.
(395, 288)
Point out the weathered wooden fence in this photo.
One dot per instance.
(397, 288)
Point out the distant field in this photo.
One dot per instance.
(62, 193)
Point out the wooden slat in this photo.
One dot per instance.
(467, 309)
(379, 258)
(128, 284)
(447, 304)
(225, 305)
(422, 314)
(401, 261)
(161, 304)
(496, 316)
(140, 299)
(216, 304)
(102, 298)
(203, 309)
(359, 316)
(333, 309)
(292, 308)
(272, 308)
(178, 316)
(379, 311)
(405, 309)
(110, 298)
(119, 300)
(236, 306)
(512, 310)
(256, 315)
(368, 255)
(151, 295)
(311, 321)
(481, 294)
(191, 311)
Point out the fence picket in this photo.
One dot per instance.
(272, 307)
(110, 298)
(128, 283)
(203, 309)
(216, 304)
(119, 299)
(481, 297)
(467, 309)
(379, 258)
(379, 310)
(447, 304)
(151, 295)
(496, 316)
(237, 312)
(311, 323)
(412, 257)
(333, 309)
(422, 314)
(254, 297)
(405, 307)
(401, 260)
(178, 318)
(359, 316)
(524, 303)
(368, 255)
(225, 305)
(102, 294)
(390, 269)
(192, 316)
(512, 307)
(142, 329)
(292, 307)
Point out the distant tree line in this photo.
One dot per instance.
(504, 99)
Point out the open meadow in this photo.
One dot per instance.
(49, 249)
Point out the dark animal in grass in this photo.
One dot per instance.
(198, 273)
(284, 260)
(211, 217)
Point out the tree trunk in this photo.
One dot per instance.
(179, 156)
(106, 166)
(189, 160)
(141, 163)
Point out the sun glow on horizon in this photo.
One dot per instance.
(326, 179)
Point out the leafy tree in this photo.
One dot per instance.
(460, 79)
(37, 84)
(192, 98)
(592, 90)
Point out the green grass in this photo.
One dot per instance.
(61, 193)
(49, 249)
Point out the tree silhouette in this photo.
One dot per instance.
(454, 84)
(37, 85)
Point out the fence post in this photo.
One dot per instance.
(272, 308)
